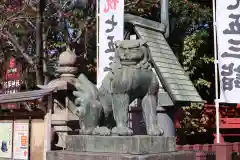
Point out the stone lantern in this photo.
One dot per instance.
(64, 87)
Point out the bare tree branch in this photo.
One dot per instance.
(16, 45)
(132, 3)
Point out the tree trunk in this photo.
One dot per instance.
(45, 57)
(39, 44)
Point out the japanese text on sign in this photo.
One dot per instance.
(228, 36)
(111, 25)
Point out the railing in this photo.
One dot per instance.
(224, 151)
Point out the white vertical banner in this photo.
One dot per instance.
(111, 29)
(21, 144)
(228, 41)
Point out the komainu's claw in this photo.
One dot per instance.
(122, 131)
(88, 131)
(155, 131)
(102, 131)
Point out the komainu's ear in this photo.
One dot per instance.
(117, 43)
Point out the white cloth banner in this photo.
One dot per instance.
(228, 41)
(111, 26)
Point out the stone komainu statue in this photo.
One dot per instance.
(130, 76)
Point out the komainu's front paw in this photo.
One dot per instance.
(122, 131)
(155, 131)
(102, 131)
(88, 131)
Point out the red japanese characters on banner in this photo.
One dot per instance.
(110, 4)
(12, 81)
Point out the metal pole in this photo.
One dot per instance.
(165, 16)
(216, 72)
(97, 32)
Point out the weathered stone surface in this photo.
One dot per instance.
(67, 155)
(130, 77)
(143, 144)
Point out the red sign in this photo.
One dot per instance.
(12, 71)
(12, 82)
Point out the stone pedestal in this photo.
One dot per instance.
(80, 147)
(67, 155)
(121, 144)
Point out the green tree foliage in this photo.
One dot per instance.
(145, 8)
(195, 120)
(191, 39)
(198, 60)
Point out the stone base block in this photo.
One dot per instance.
(120, 144)
(67, 155)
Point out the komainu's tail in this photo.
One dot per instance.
(86, 91)
(87, 105)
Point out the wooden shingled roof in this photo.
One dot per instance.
(176, 84)
(24, 96)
